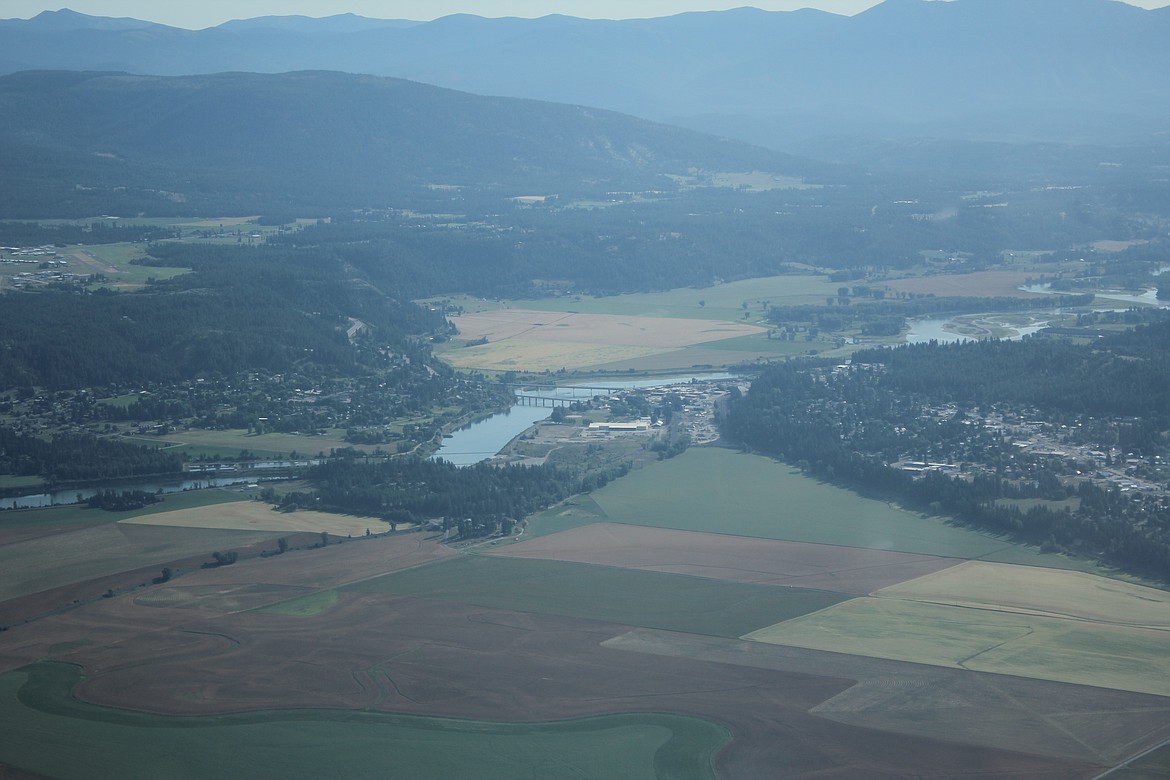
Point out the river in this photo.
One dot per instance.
(1147, 297)
(466, 446)
(934, 329)
(482, 440)
(199, 476)
(77, 495)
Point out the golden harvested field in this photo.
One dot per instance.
(1039, 591)
(1032, 622)
(257, 516)
(524, 355)
(538, 340)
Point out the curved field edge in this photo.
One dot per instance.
(96, 741)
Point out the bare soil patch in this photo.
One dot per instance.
(849, 570)
(793, 712)
(437, 658)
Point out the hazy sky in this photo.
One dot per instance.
(208, 13)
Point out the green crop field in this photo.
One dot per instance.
(671, 602)
(94, 742)
(718, 490)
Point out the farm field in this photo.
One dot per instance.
(718, 490)
(1037, 591)
(1154, 766)
(43, 563)
(530, 340)
(668, 601)
(323, 743)
(721, 302)
(1097, 725)
(734, 558)
(257, 516)
(230, 442)
(607, 642)
(981, 284)
(21, 525)
(384, 653)
(986, 640)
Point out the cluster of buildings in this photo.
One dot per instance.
(1074, 453)
(49, 263)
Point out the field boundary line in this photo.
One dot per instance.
(1131, 759)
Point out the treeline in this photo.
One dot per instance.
(692, 237)
(471, 501)
(850, 423)
(80, 458)
(881, 317)
(122, 501)
(1126, 375)
(104, 232)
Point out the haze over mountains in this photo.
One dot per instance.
(319, 140)
(1094, 71)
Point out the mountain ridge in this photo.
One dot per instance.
(905, 67)
(320, 138)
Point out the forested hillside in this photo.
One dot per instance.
(242, 309)
(317, 142)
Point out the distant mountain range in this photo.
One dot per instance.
(87, 143)
(1057, 70)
